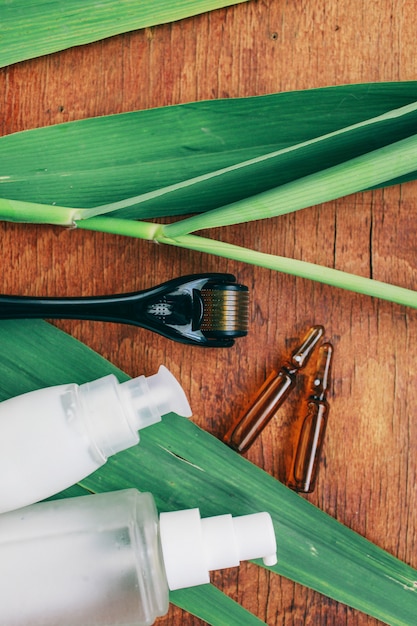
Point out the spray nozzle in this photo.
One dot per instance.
(153, 396)
(192, 546)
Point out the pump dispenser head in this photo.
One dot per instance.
(192, 546)
(115, 412)
(153, 396)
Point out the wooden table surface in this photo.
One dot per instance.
(368, 471)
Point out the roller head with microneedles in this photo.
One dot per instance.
(225, 310)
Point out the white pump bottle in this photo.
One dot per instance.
(53, 437)
(103, 560)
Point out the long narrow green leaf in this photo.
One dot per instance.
(29, 29)
(377, 167)
(213, 606)
(369, 170)
(194, 157)
(176, 461)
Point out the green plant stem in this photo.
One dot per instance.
(118, 226)
(33, 212)
(357, 174)
(303, 269)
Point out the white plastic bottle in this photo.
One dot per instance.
(53, 437)
(103, 560)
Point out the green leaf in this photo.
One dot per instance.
(376, 167)
(300, 148)
(194, 157)
(30, 29)
(213, 606)
(184, 466)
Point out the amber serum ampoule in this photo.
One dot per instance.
(271, 395)
(312, 427)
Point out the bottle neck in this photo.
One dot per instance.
(106, 416)
(115, 412)
(148, 398)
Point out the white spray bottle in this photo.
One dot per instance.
(104, 560)
(53, 437)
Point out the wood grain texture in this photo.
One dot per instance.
(368, 472)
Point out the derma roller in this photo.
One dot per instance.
(204, 309)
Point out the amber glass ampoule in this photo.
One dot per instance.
(304, 467)
(271, 395)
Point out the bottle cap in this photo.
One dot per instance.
(192, 546)
(153, 396)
